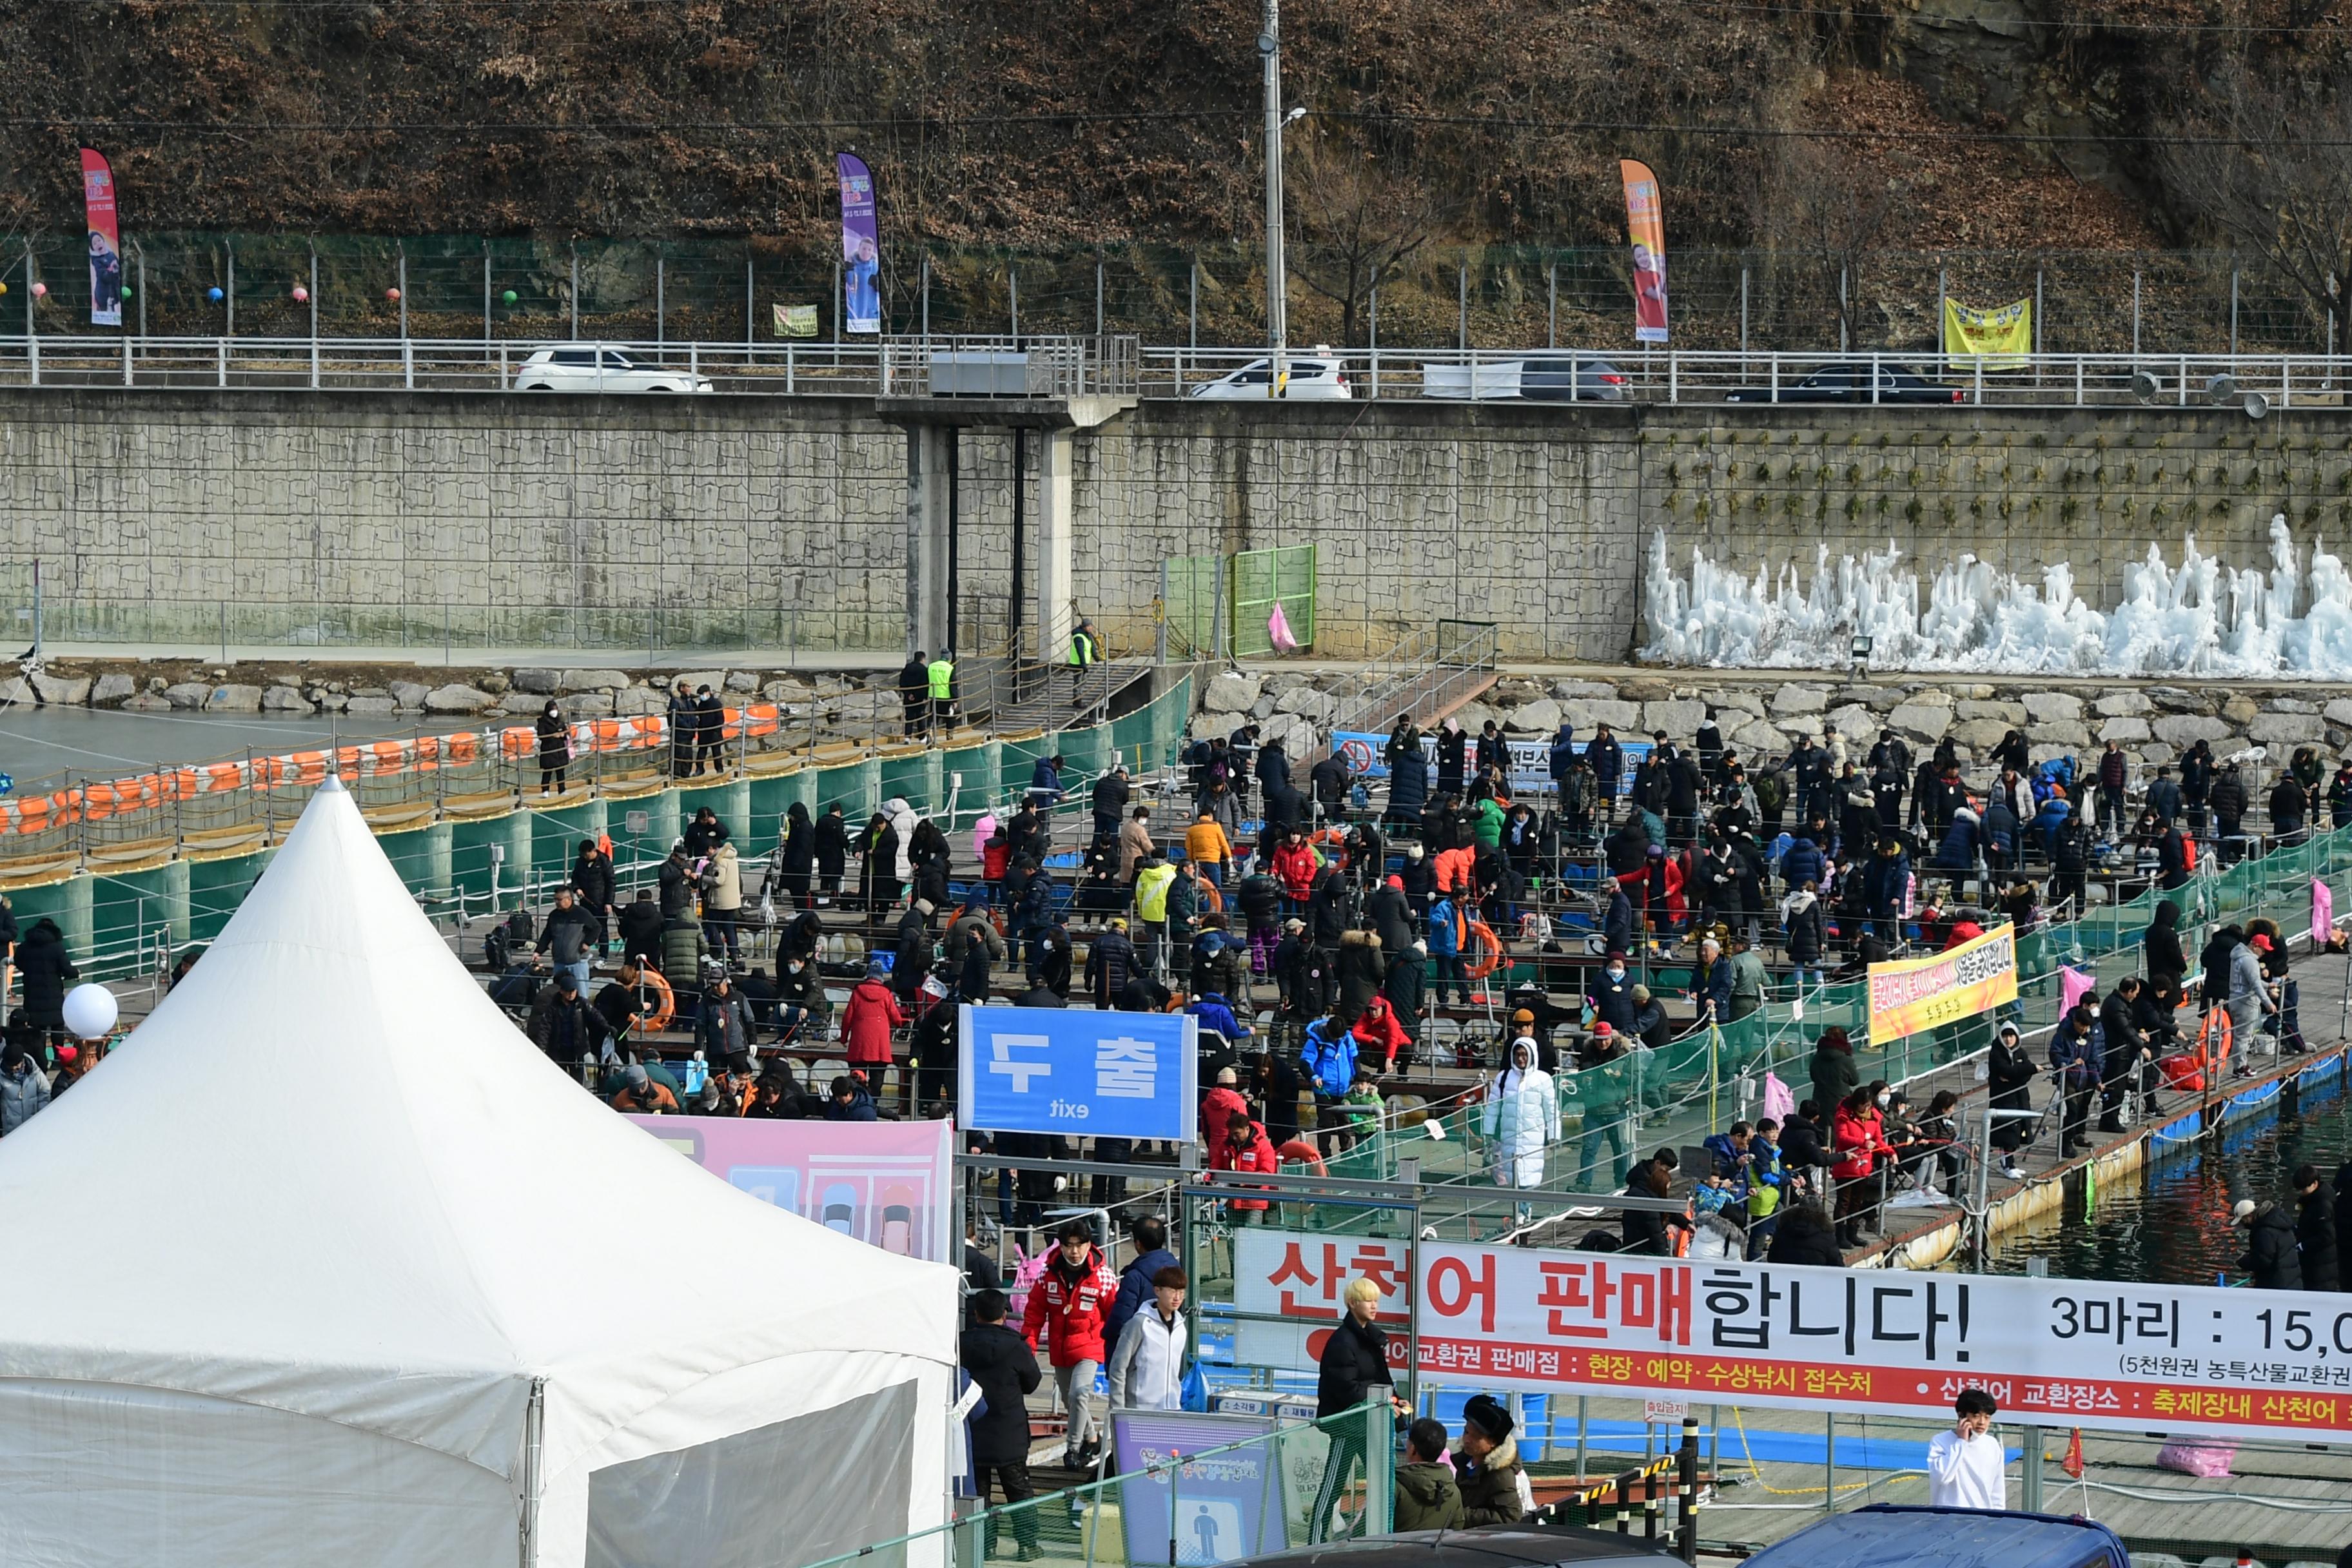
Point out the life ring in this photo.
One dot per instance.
(1489, 945)
(667, 1009)
(1208, 891)
(1299, 1150)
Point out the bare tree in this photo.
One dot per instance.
(1359, 220)
(2266, 165)
(1827, 212)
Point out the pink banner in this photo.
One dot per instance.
(888, 1183)
(2323, 913)
(2072, 986)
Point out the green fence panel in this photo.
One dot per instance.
(1263, 580)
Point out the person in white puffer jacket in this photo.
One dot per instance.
(1522, 1119)
(1147, 1367)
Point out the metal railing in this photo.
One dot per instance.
(1120, 366)
(1422, 673)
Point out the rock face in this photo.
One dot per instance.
(234, 699)
(110, 689)
(456, 700)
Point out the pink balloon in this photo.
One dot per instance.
(392, 294)
(40, 290)
(301, 295)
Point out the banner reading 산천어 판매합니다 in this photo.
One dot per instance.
(2192, 1360)
(1988, 340)
(1913, 995)
(861, 247)
(105, 239)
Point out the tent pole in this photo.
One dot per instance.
(534, 1427)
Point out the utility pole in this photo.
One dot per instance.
(1278, 330)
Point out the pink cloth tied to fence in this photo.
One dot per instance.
(2072, 986)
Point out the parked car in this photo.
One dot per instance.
(1577, 380)
(1887, 1533)
(1307, 379)
(1849, 382)
(1483, 1546)
(600, 367)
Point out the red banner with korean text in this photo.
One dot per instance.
(2176, 1358)
(105, 239)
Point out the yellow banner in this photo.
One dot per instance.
(795, 320)
(1912, 995)
(1999, 338)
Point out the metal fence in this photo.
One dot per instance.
(745, 290)
(1268, 584)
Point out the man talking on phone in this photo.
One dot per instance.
(1965, 1464)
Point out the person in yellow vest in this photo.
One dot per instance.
(1086, 648)
(941, 674)
(1153, 876)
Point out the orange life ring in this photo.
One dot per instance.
(666, 1000)
(1299, 1152)
(1209, 891)
(1489, 945)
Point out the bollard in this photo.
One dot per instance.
(1625, 1518)
(1650, 1506)
(1688, 1476)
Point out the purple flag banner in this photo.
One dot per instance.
(861, 248)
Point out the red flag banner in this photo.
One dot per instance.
(105, 240)
(1646, 229)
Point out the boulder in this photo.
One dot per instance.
(145, 702)
(636, 701)
(455, 699)
(2156, 754)
(1645, 688)
(1263, 708)
(1980, 734)
(63, 691)
(2291, 705)
(1737, 700)
(1792, 699)
(409, 694)
(2057, 735)
(2053, 706)
(1472, 717)
(1313, 706)
(14, 692)
(1589, 713)
(2185, 730)
(188, 694)
(234, 699)
(524, 704)
(2240, 711)
(110, 689)
(590, 679)
(1678, 717)
(1206, 726)
(285, 700)
(1854, 722)
(2287, 730)
(1565, 689)
(696, 680)
(589, 705)
(2038, 751)
(1757, 739)
(539, 682)
(2124, 704)
(373, 706)
(1231, 692)
(1540, 717)
(1928, 720)
(332, 703)
(2127, 729)
(2011, 714)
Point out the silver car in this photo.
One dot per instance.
(600, 367)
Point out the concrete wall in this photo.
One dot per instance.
(166, 503)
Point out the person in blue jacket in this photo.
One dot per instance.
(1150, 1235)
(2078, 1057)
(1445, 947)
(1711, 984)
(1561, 759)
(1885, 884)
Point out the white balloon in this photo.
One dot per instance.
(91, 1012)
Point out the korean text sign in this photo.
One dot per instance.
(1102, 1074)
(2174, 1358)
(1912, 995)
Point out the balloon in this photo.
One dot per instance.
(40, 290)
(4, 288)
(126, 290)
(510, 296)
(214, 295)
(393, 295)
(301, 295)
(91, 1012)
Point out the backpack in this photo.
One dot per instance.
(496, 949)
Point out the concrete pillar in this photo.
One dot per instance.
(926, 537)
(1054, 532)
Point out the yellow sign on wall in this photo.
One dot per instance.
(1912, 995)
(2000, 339)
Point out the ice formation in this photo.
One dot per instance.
(2203, 618)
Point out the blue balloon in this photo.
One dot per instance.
(214, 295)
(7, 783)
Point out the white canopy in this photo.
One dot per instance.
(328, 1263)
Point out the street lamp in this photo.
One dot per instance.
(1277, 329)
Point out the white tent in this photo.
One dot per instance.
(327, 1264)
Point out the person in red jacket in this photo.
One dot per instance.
(866, 1024)
(1378, 1035)
(1070, 1305)
(1295, 865)
(1858, 1133)
(1223, 1103)
(1246, 1148)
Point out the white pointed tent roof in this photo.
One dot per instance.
(328, 1176)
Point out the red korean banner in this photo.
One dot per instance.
(105, 240)
(2177, 1358)
(1645, 230)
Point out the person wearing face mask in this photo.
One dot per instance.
(1611, 998)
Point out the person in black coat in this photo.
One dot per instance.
(43, 967)
(831, 846)
(2272, 1256)
(1805, 1236)
(2009, 1080)
(592, 882)
(1355, 1363)
(797, 855)
(1005, 1369)
(2314, 1229)
(1644, 1231)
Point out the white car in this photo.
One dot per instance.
(1309, 378)
(600, 367)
